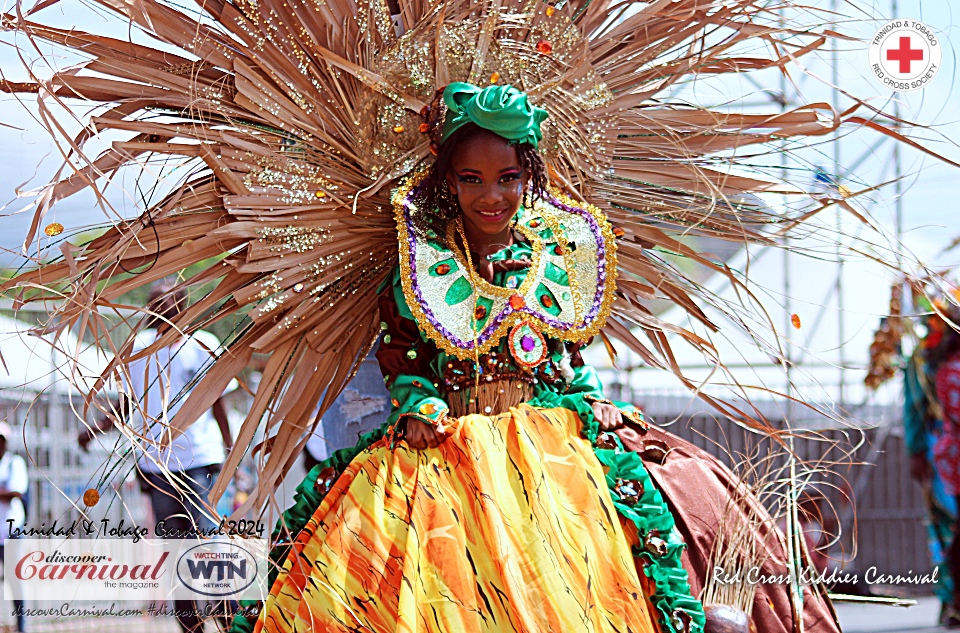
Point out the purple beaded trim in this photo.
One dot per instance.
(507, 311)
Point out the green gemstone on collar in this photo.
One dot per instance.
(556, 274)
(386, 339)
(412, 354)
(383, 325)
(459, 291)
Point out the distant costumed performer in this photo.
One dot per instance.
(309, 133)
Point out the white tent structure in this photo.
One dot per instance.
(40, 399)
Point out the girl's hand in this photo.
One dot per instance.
(420, 435)
(607, 415)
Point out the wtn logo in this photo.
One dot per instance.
(223, 568)
(220, 569)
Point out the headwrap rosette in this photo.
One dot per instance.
(503, 110)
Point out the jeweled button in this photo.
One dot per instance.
(527, 343)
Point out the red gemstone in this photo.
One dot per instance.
(557, 250)
(479, 313)
(546, 301)
(545, 47)
(443, 269)
(517, 302)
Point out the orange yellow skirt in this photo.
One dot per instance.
(505, 527)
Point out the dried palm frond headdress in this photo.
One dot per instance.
(293, 121)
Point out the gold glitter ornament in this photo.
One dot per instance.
(551, 11)
(398, 129)
(53, 229)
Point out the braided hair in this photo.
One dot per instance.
(440, 206)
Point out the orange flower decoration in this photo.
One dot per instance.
(551, 11)
(517, 302)
(795, 320)
(545, 47)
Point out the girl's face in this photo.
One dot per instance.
(488, 181)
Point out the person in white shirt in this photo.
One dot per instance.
(158, 385)
(13, 487)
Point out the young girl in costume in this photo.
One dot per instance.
(496, 499)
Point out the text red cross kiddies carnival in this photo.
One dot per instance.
(905, 55)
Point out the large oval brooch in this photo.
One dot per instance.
(527, 345)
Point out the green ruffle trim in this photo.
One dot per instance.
(672, 591)
(306, 501)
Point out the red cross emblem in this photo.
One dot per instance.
(905, 55)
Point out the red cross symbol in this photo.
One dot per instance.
(905, 55)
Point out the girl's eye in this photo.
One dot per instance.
(509, 177)
(473, 180)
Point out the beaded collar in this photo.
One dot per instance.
(567, 293)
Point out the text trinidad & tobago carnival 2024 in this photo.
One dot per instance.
(106, 529)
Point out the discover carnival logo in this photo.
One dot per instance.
(905, 55)
(122, 569)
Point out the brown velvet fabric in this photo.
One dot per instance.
(696, 485)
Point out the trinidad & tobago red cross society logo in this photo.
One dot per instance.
(905, 55)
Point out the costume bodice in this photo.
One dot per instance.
(426, 381)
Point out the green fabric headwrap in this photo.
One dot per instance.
(503, 110)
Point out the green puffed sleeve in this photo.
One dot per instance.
(404, 357)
